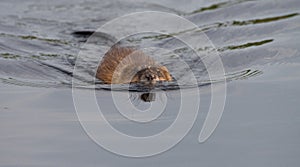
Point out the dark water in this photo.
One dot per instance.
(257, 40)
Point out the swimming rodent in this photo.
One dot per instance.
(127, 65)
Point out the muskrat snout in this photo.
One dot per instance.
(148, 76)
(149, 79)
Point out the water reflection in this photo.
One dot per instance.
(148, 97)
(139, 98)
(140, 106)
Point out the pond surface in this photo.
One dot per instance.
(257, 41)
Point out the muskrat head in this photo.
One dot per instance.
(150, 75)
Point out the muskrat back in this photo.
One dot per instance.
(127, 65)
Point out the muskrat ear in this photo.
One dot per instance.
(135, 79)
(165, 71)
(164, 68)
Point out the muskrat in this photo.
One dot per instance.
(127, 65)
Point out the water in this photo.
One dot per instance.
(258, 42)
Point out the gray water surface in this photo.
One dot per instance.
(258, 42)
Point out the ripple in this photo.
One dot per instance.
(219, 6)
(246, 45)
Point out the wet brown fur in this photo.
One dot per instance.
(126, 65)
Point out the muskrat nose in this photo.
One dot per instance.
(150, 76)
